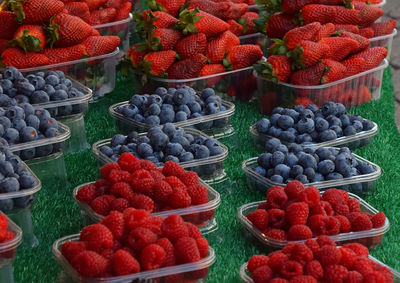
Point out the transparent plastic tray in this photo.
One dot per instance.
(271, 95)
(97, 73)
(216, 125)
(120, 29)
(360, 185)
(42, 147)
(188, 271)
(209, 169)
(358, 140)
(256, 38)
(201, 215)
(370, 238)
(384, 41)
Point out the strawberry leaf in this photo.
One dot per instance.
(53, 31)
(296, 57)
(265, 70)
(243, 23)
(29, 42)
(187, 20)
(16, 7)
(272, 6)
(154, 6)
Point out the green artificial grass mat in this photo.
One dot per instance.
(55, 213)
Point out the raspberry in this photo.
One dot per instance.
(98, 237)
(257, 261)
(378, 220)
(325, 241)
(354, 277)
(154, 224)
(126, 160)
(331, 226)
(107, 253)
(363, 266)
(152, 257)
(263, 205)
(86, 194)
(360, 223)
(348, 257)
(194, 232)
(119, 204)
(259, 218)
(106, 169)
(291, 269)
(102, 204)
(341, 209)
(313, 246)
(293, 188)
(262, 274)
(323, 208)
(299, 232)
(315, 222)
(314, 269)
(278, 280)
(101, 183)
(140, 201)
(276, 234)
(179, 198)
(276, 218)
(169, 259)
(359, 249)
(289, 248)
(140, 237)
(385, 272)
(174, 228)
(334, 197)
(276, 259)
(174, 182)
(172, 169)
(353, 205)
(142, 181)
(147, 165)
(198, 194)
(335, 273)
(116, 176)
(329, 255)
(202, 245)
(301, 253)
(3, 226)
(345, 226)
(189, 178)
(72, 248)
(115, 223)
(135, 218)
(311, 196)
(303, 279)
(157, 175)
(276, 198)
(123, 263)
(122, 190)
(297, 213)
(161, 191)
(89, 264)
(207, 215)
(186, 250)
(375, 277)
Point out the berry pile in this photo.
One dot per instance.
(318, 261)
(297, 213)
(133, 241)
(174, 105)
(282, 164)
(312, 124)
(162, 144)
(5, 237)
(140, 184)
(14, 177)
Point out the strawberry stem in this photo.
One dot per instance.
(187, 20)
(265, 70)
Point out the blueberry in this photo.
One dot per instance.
(185, 157)
(61, 87)
(291, 160)
(271, 144)
(262, 126)
(364, 168)
(298, 108)
(171, 158)
(276, 179)
(73, 92)
(270, 173)
(155, 99)
(206, 93)
(152, 120)
(6, 168)
(66, 82)
(282, 170)
(159, 141)
(302, 178)
(169, 129)
(326, 166)
(51, 132)
(167, 116)
(261, 171)
(341, 109)
(42, 114)
(329, 108)
(285, 122)
(345, 150)
(305, 125)
(264, 160)
(277, 110)
(189, 137)
(11, 73)
(211, 108)
(144, 150)
(28, 109)
(310, 173)
(180, 116)
(274, 119)
(309, 150)
(8, 185)
(33, 121)
(294, 147)
(307, 114)
(6, 205)
(6, 84)
(358, 126)
(137, 100)
(367, 125)
(52, 80)
(21, 99)
(349, 131)
(281, 148)
(327, 135)
(181, 97)
(26, 181)
(303, 138)
(314, 108)
(334, 121)
(277, 158)
(323, 152)
(318, 178)
(48, 123)
(333, 176)
(194, 107)
(345, 120)
(185, 109)
(307, 160)
(15, 112)
(294, 114)
(321, 124)
(106, 150)
(118, 140)
(161, 91)
(201, 151)
(3, 142)
(59, 95)
(38, 82)
(214, 147)
(274, 131)
(287, 136)
(154, 109)
(25, 88)
(182, 141)
(11, 135)
(174, 149)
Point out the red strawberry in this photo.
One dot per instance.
(242, 56)
(164, 20)
(100, 45)
(79, 9)
(340, 47)
(30, 38)
(349, 28)
(35, 11)
(168, 38)
(187, 68)
(292, 7)
(113, 4)
(363, 95)
(236, 11)
(367, 14)
(217, 48)
(123, 11)
(326, 31)
(362, 41)
(170, 6)
(211, 69)
(318, 13)
(247, 21)
(192, 45)
(295, 36)
(136, 54)
(367, 32)
(277, 68)
(4, 44)
(353, 66)
(309, 76)
(98, 17)
(235, 27)
(94, 4)
(20, 59)
(279, 24)
(308, 53)
(157, 63)
(372, 56)
(218, 10)
(59, 55)
(346, 16)
(383, 28)
(334, 71)
(8, 24)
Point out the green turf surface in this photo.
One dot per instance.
(55, 213)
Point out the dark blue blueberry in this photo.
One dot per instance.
(159, 141)
(356, 118)
(167, 107)
(294, 147)
(309, 150)
(314, 108)
(206, 93)
(329, 108)
(338, 130)
(181, 97)
(2, 130)
(291, 160)
(139, 118)
(189, 137)
(185, 109)
(341, 109)
(345, 120)
(314, 136)
(169, 129)
(13, 92)
(274, 119)
(303, 138)
(364, 168)
(144, 150)
(367, 125)
(271, 144)
(38, 82)
(277, 110)
(11, 135)
(185, 157)
(270, 173)
(358, 126)
(6, 168)
(327, 135)
(21, 99)
(52, 80)
(130, 110)
(143, 139)
(282, 170)
(51, 133)
(294, 114)
(59, 95)
(323, 153)
(285, 122)
(274, 131)
(171, 158)
(182, 141)
(11, 73)
(155, 99)
(305, 125)
(8, 185)
(4, 99)
(25, 88)
(295, 171)
(345, 150)
(3, 142)
(307, 160)
(201, 151)
(310, 173)
(326, 166)
(211, 108)
(302, 178)
(15, 112)
(66, 82)
(214, 147)
(334, 176)
(152, 120)
(39, 97)
(48, 123)
(321, 124)
(264, 160)
(307, 114)
(261, 171)
(33, 121)
(277, 179)
(154, 109)
(26, 181)
(28, 109)
(167, 116)
(161, 91)
(262, 126)
(6, 84)
(180, 116)
(194, 107)
(334, 121)
(298, 108)
(174, 149)
(61, 87)
(118, 140)
(18, 124)
(349, 131)
(282, 148)
(287, 136)
(106, 150)
(137, 100)
(277, 158)
(73, 92)
(168, 99)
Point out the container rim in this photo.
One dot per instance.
(383, 3)
(386, 36)
(14, 243)
(127, 20)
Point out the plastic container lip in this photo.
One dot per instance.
(196, 162)
(338, 141)
(203, 263)
(14, 243)
(210, 205)
(230, 110)
(386, 36)
(127, 20)
(251, 35)
(383, 3)
(246, 166)
(64, 131)
(382, 66)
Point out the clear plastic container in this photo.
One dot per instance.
(78, 141)
(8, 253)
(196, 271)
(370, 238)
(209, 169)
(271, 95)
(359, 185)
(120, 29)
(384, 41)
(358, 140)
(201, 215)
(97, 73)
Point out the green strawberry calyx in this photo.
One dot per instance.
(265, 70)
(28, 42)
(187, 20)
(16, 7)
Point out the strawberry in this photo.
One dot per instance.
(35, 11)
(123, 11)
(218, 10)
(334, 71)
(8, 24)
(94, 4)
(168, 38)
(279, 24)
(98, 17)
(187, 68)
(192, 45)
(30, 38)
(292, 7)
(308, 53)
(157, 63)
(164, 20)
(100, 45)
(64, 54)
(340, 47)
(217, 48)
(277, 68)
(79, 9)
(310, 76)
(235, 27)
(170, 6)
(326, 31)
(236, 11)
(212, 69)
(318, 13)
(4, 44)
(135, 54)
(362, 41)
(383, 28)
(372, 56)
(349, 28)
(242, 56)
(353, 66)
(367, 14)
(346, 16)
(113, 4)
(247, 21)
(367, 32)
(307, 32)
(20, 59)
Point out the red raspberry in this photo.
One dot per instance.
(353, 205)
(329, 255)
(101, 183)
(341, 209)
(289, 248)
(348, 257)
(313, 246)
(147, 165)
(334, 197)
(345, 226)
(301, 253)
(8, 237)
(202, 245)
(98, 237)
(107, 253)
(123, 263)
(359, 249)
(291, 269)
(311, 196)
(378, 220)
(86, 194)
(276, 234)
(198, 194)
(278, 280)
(259, 218)
(276, 259)
(303, 279)
(256, 261)
(154, 224)
(172, 169)
(3, 226)
(72, 248)
(135, 218)
(189, 178)
(152, 257)
(157, 175)
(186, 250)
(325, 241)
(194, 232)
(140, 237)
(106, 169)
(179, 198)
(315, 223)
(375, 277)
(89, 264)
(122, 190)
(276, 218)
(102, 204)
(169, 259)
(140, 201)
(299, 232)
(297, 213)
(314, 269)
(263, 205)
(323, 208)
(293, 188)
(126, 160)
(115, 223)
(119, 204)
(335, 273)
(363, 266)
(385, 272)
(116, 176)
(174, 228)
(161, 191)
(276, 197)
(262, 274)
(142, 181)
(354, 277)
(360, 223)
(331, 226)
